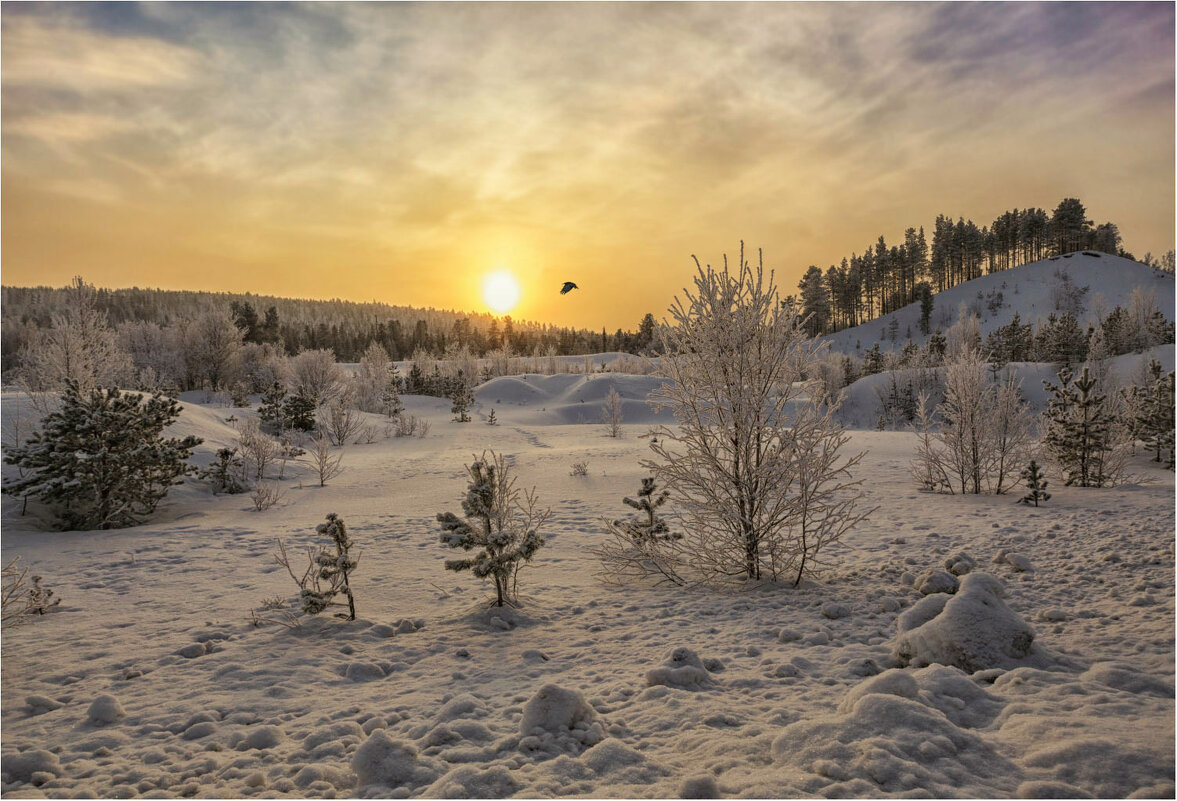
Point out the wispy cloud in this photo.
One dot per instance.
(615, 135)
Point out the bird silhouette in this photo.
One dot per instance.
(568, 287)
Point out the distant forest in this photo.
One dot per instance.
(344, 327)
(885, 278)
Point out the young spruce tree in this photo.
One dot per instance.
(499, 522)
(101, 459)
(1035, 485)
(1080, 433)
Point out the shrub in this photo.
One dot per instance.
(328, 571)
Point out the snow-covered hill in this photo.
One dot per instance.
(1025, 290)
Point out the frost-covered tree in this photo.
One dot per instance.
(298, 412)
(101, 460)
(327, 464)
(212, 349)
(271, 409)
(1036, 484)
(737, 361)
(1151, 412)
(972, 441)
(390, 397)
(499, 522)
(78, 346)
(339, 421)
(611, 412)
(1081, 435)
(646, 525)
(328, 571)
(316, 376)
(371, 379)
(18, 600)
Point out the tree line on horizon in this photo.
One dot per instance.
(885, 278)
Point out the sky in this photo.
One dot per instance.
(401, 152)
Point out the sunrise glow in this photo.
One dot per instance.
(501, 292)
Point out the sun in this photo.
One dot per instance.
(501, 292)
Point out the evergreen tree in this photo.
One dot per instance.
(272, 409)
(937, 346)
(462, 398)
(298, 412)
(815, 302)
(923, 291)
(414, 385)
(873, 361)
(1035, 484)
(650, 527)
(1060, 340)
(223, 473)
(1079, 432)
(1154, 413)
(390, 398)
(498, 521)
(101, 459)
(491, 419)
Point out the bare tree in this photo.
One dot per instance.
(258, 450)
(327, 465)
(212, 349)
(340, 422)
(611, 412)
(736, 363)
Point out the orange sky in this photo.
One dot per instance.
(400, 152)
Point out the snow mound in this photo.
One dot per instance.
(560, 717)
(972, 630)
(105, 709)
(886, 743)
(936, 581)
(469, 781)
(959, 564)
(1124, 677)
(386, 762)
(683, 668)
(21, 767)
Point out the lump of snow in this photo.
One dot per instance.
(382, 630)
(889, 744)
(889, 604)
(889, 682)
(462, 706)
(788, 635)
(1120, 676)
(191, 651)
(935, 581)
(328, 734)
(972, 630)
(364, 671)
(1018, 562)
(1048, 789)
(610, 756)
(499, 623)
(699, 787)
(554, 710)
(683, 669)
(22, 766)
(834, 611)
(999, 557)
(470, 781)
(907, 578)
(263, 737)
(405, 626)
(959, 564)
(390, 763)
(198, 730)
(105, 709)
(40, 704)
(1053, 614)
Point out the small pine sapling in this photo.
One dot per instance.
(650, 527)
(1035, 485)
(328, 571)
(462, 398)
(41, 598)
(223, 473)
(499, 521)
(491, 419)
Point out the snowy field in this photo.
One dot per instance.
(148, 680)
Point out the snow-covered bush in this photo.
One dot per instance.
(258, 450)
(579, 468)
(328, 571)
(972, 441)
(753, 462)
(18, 599)
(339, 421)
(316, 376)
(499, 521)
(101, 460)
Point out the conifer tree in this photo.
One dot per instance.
(1154, 413)
(462, 398)
(1080, 434)
(1035, 485)
(650, 527)
(328, 571)
(390, 398)
(491, 419)
(101, 460)
(223, 473)
(298, 412)
(498, 521)
(272, 408)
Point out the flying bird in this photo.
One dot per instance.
(568, 287)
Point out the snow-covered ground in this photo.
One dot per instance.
(587, 690)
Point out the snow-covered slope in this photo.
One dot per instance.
(1025, 290)
(585, 690)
